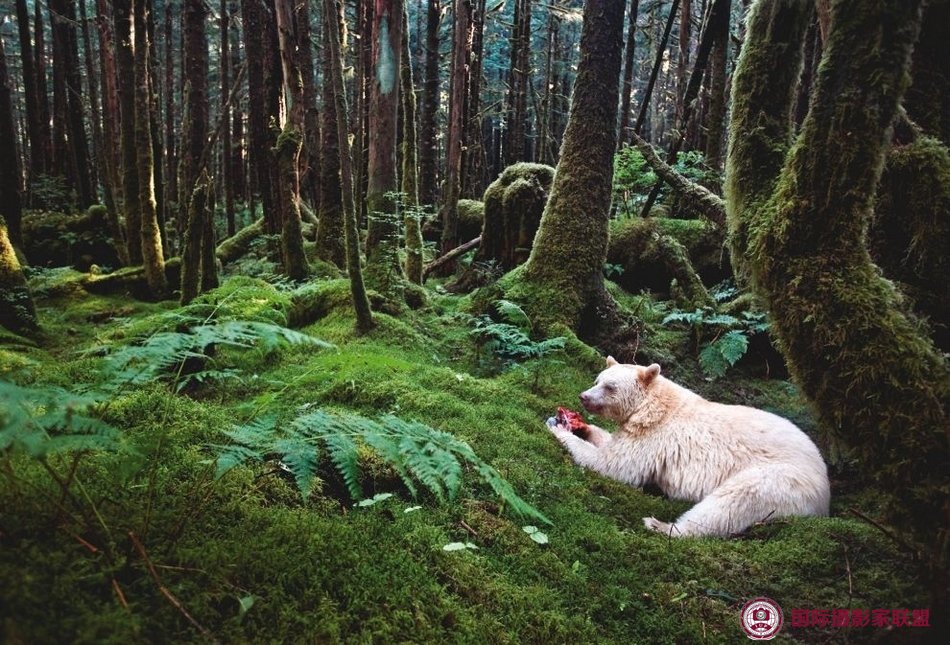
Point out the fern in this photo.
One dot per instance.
(47, 420)
(512, 313)
(165, 353)
(419, 454)
(730, 335)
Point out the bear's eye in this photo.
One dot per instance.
(609, 388)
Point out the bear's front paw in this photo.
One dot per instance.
(555, 427)
(660, 527)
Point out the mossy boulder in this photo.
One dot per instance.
(471, 218)
(640, 248)
(54, 239)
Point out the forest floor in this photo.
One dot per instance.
(147, 544)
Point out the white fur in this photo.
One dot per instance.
(741, 464)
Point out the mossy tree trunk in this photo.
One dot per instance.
(10, 205)
(428, 143)
(364, 315)
(331, 244)
(125, 70)
(798, 212)
(290, 146)
(191, 249)
(17, 312)
(410, 178)
(383, 269)
(565, 268)
(153, 258)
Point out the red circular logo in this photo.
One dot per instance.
(761, 619)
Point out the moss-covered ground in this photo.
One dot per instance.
(245, 558)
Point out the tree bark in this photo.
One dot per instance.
(411, 215)
(654, 72)
(191, 248)
(34, 126)
(17, 312)
(563, 280)
(428, 144)
(383, 269)
(153, 258)
(473, 153)
(227, 180)
(39, 50)
(10, 171)
(125, 88)
(716, 117)
(195, 103)
(682, 61)
(310, 165)
(331, 229)
(798, 212)
(95, 115)
(520, 44)
(628, 64)
(290, 145)
(364, 316)
(462, 44)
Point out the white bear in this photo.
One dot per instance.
(741, 464)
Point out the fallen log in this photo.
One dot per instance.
(451, 255)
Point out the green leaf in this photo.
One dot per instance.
(458, 546)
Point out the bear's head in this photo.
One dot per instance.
(619, 390)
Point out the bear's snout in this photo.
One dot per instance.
(587, 400)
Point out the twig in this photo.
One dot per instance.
(92, 548)
(165, 592)
(883, 529)
(119, 594)
(847, 566)
(468, 528)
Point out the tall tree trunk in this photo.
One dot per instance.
(257, 47)
(629, 60)
(331, 229)
(227, 169)
(60, 165)
(310, 166)
(462, 44)
(171, 142)
(410, 184)
(383, 269)
(34, 126)
(563, 279)
(473, 153)
(94, 112)
(799, 210)
(195, 103)
(238, 147)
(547, 139)
(125, 88)
(290, 145)
(110, 129)
(364, 316)
(718, 89)
(67, 73)
(192, 237)
(42, 96)
(153, 258)
(518, 82)
(658, 61)
(10, 174)
(682, 62)
(364, 77)
(428, 144)
(155, 124)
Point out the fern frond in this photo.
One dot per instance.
(511, 312)
(345, 456)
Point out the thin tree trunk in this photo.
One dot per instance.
(310, 166)
(364, 68)
(171, 143)
(290, 145)
(383, 268)
(155, 124)
(195, 103)
(331, 229)
(518, 82)
(95, 115)
(658, 61)
(60, 163)
(473, 153)
(125, 87)
(428, 144)
(192, 247)
(34, 127)
(238, 157)
(410, 184)
(39, 50)
(364, 316)
(629, 61)
(716, 117)
(462, 44)
(227, 170)
(682, 62)
(152, 257)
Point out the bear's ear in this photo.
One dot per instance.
(650, 373)
(611, 361)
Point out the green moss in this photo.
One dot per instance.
(471, 218)
(325, 570)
